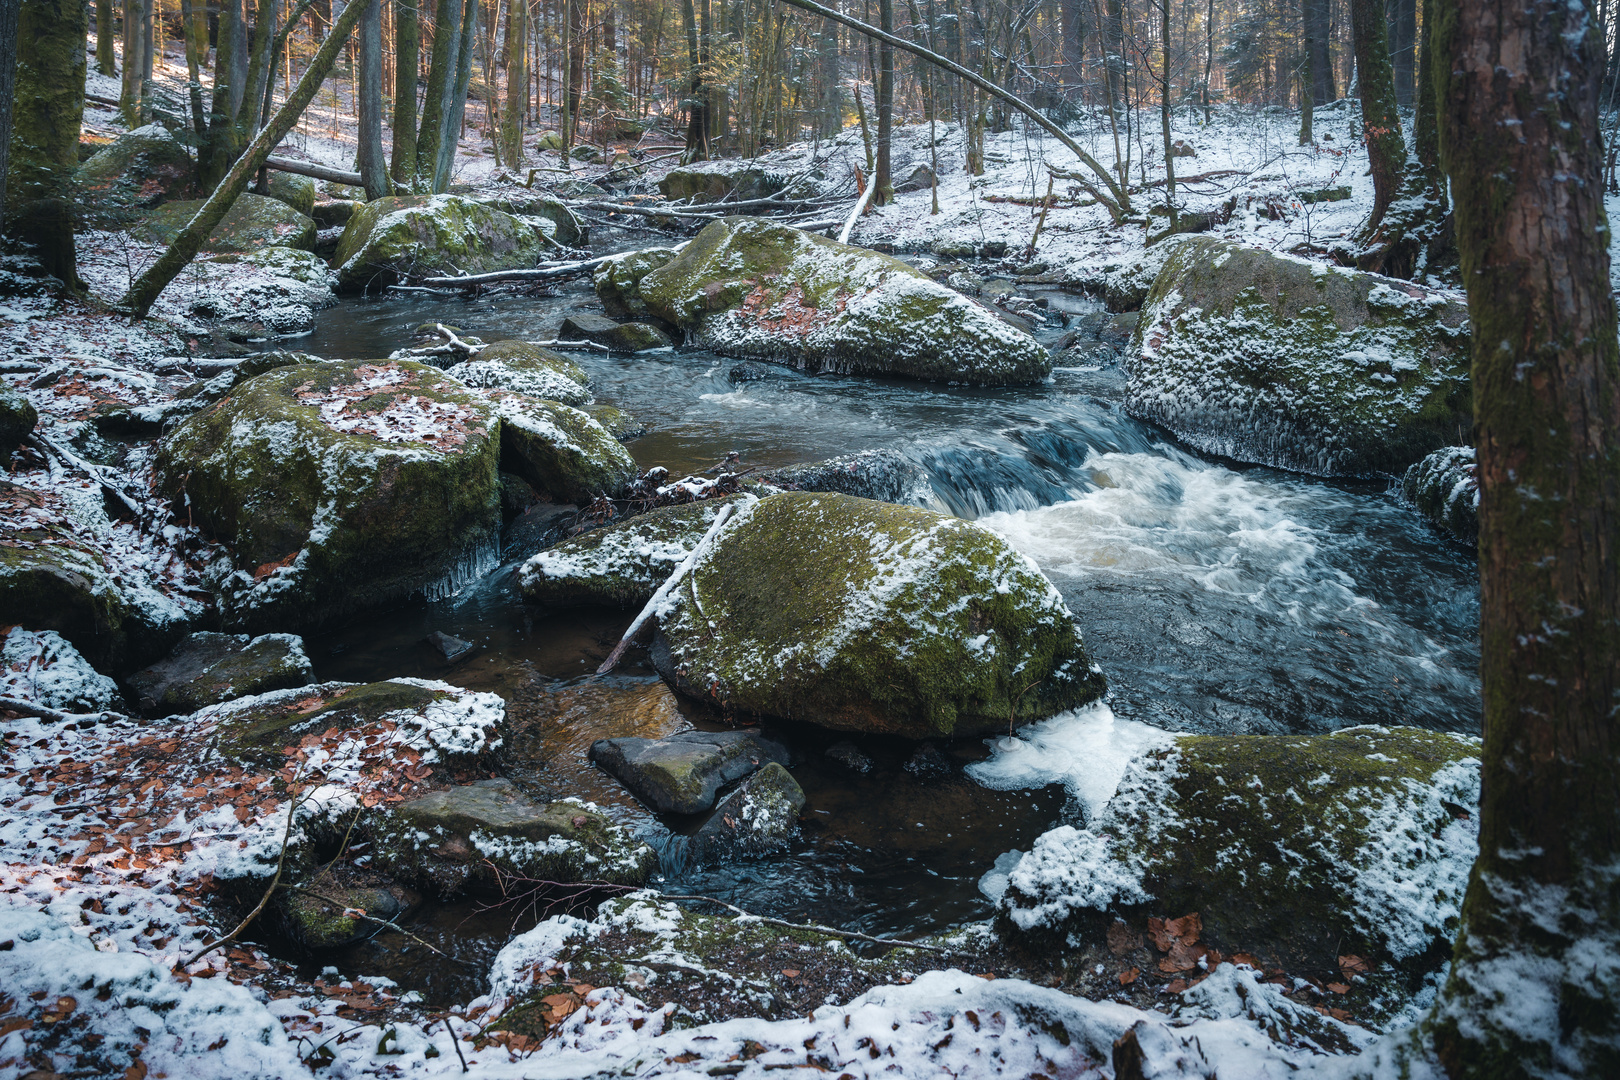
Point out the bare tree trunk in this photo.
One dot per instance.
(146, 288)
(371, 160)
(407, 55)
(1318, 50)
(1386, 150)
(697, 125)
(47, 109)
(1075, 29)
(1534, 988)
(517, 83)
(8, 86)
(129, 94)
(883, 176)
(104, 36)
(445, 166)
(441, 87)
(1164, 113)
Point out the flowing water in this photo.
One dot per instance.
(1217, 598)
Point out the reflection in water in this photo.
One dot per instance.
(1217, 599)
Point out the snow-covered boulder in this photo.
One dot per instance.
(137, 171)
(1279, 361)
(746, 287)
(280, 287)
(207, 668)
(712, 181)
(618, 281)
(337, 486)
(622, 564)
(41, 667)
(430, 234)
(528, 369)
(1294, 849)
(564, 228)
(560, 450)
(253, 222)
(1445, 489)
(885, 475)
(867, 616)
(17, 419)
(759, 818)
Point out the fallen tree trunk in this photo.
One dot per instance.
(146, 288)
(310, 169)
(1118, 206)
(556, 272)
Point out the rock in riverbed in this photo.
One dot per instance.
(746, 287)
(430, 234)
(1279, 361)
(758, 818)
(865, 616)
(1445, 489)
(681, 774)
(528, 369)
(628, 337)
(207, 668)
(618, 281)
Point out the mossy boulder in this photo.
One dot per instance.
(620, 424)
(207, 668)
(337, 487)
(528, 369)
(628, 337)
(466, 835)
(317, 913)
(17, 419)
(681, 774)
(622, 564)
(297, 192)
(1294, 849)
(1445, 489)
(745, 287)
(759, 818)
(561, 450)
(567, 229)
(618, 281)
(1278, 361)
(330, 213)
(139, 170)
(716, 180)
(430, 234)
(61, 570)
(866, 616)
(253, 222)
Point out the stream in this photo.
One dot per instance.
(1217, 598)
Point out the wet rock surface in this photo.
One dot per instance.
(627, 337)
(884, 475)
(207, 668)
(681, 774)
(1445, 489)
(757, 819)
(404, 235)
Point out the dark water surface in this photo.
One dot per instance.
(1217, 598)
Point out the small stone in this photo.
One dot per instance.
(849, 756)
(620, 337)
(756, 819)
(207, 668)
(929, 762)
(448, 645)
(682, 774)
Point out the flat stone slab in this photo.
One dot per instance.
(683, 773)
(207, 668)
(498, 807)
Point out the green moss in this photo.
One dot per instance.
(297, 192)
(620, 424)
(618, 281)
(561, 450)
(868, 616)
(430, 234)
(17, 418)
(253, 222)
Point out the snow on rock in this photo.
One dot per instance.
(43, 668)
(1445, 489)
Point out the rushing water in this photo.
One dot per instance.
(1217, 598)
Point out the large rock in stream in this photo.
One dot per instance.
(528, 369)
(866, 616)
(746, 287)
(343, 486)
(430, 234)
(682, 773)
(1298, 850)
(1278, 361)
(1445, 489)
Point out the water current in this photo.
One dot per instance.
(1218, 598)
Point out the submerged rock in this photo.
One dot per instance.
(207, 668)
(430, 234)
(253, 222)
(884, 475)
(43, 668)
(682, 774)
(1274, 360)
(528, 369)
(473, 833)
(620, 564)
(337, 487)
(746, 287)
(849, 756)
(139, 170)
(758, 818)
(618, 281)
(1295, 849)
(17, 419)
(1445, 489)
(865, 616)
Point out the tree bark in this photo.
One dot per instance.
(373, 165)
(407, 55)
(697, 125)
(1072, 14)
(445, 165)
(517, 83)
(129, 93)
(883, 176)
(104, 36)
(46, 111)
(1386, 150)
(146, 288)
(8, 87)
(1319, 51)
(1534, 988)
(441, 86)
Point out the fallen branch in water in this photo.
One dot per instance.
(553, 272)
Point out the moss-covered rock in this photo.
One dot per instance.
(1295, 849)
(682, 774)
(716, 180)
(567, 229)
(297, 192)
(330, 213)
(430, 234)
(61, 570)
(629, 337)
(279, 287)
(317, 913)
(561, 450)
(528, 369)
(746, 287)
(338, 487)
(1279, 361)
(17, 418)
(622, 564)
(253, 222)
(1124, 286)
(207, 668)
(865, 616)
(759, 818)
(139, 170)
(467, 834)
(620, 424)
(618, 281)
(1445, 489)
